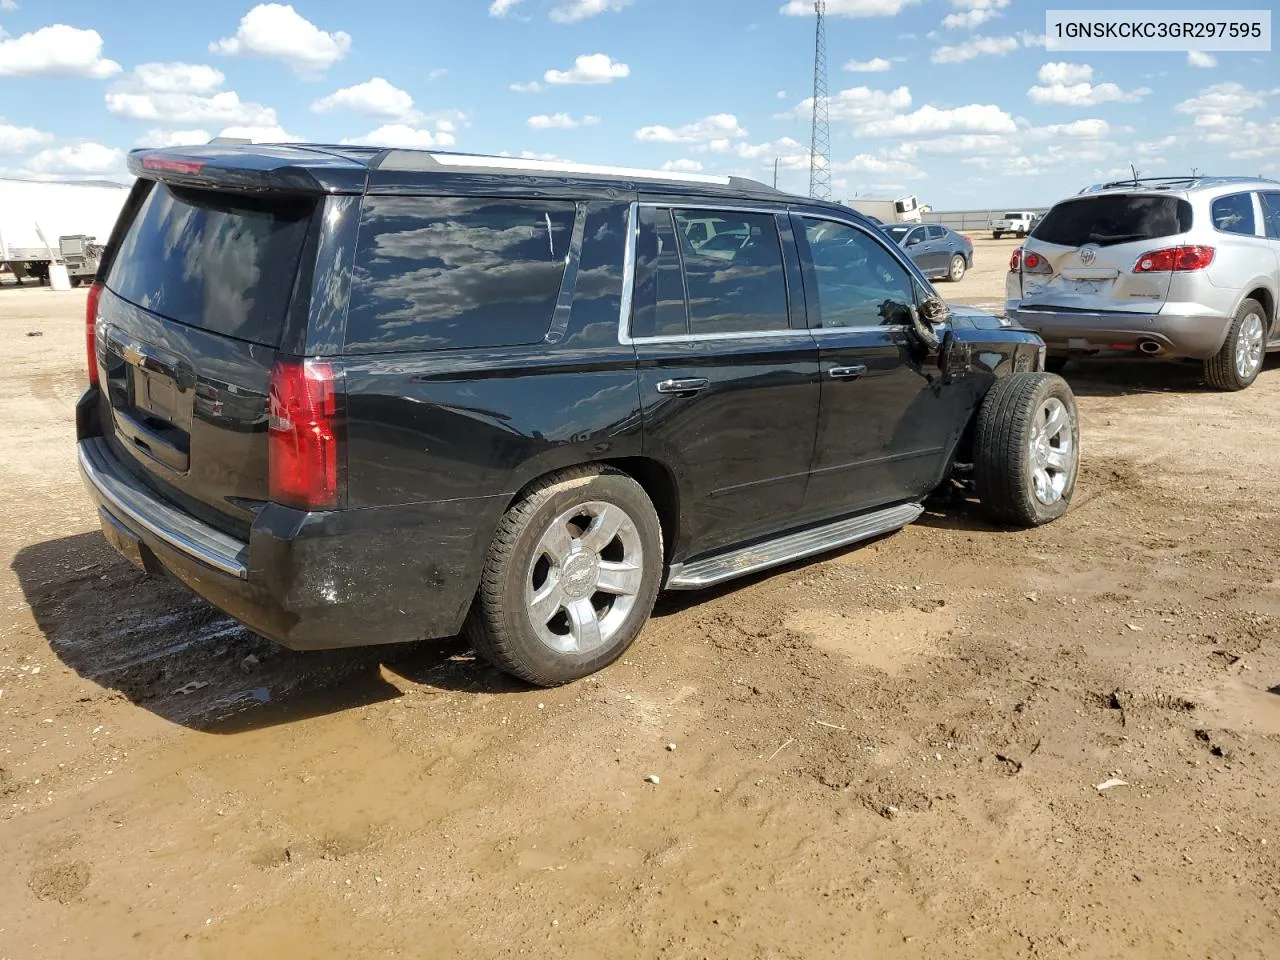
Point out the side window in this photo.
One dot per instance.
(659, 308)
(734, 281)
(915, 236)
(439, 273)
(1271, 213)
(697, 233)
(1234, 214)
(855, 275)
(935, 233)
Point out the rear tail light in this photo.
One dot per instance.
(1174, 259)
(90, 330)
(1034, 263)
(1015, 260)
(302, 435)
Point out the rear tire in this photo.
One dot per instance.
(958, 267)
(570, 579)
(1027, 449)
(1240, 360)
(996, 234)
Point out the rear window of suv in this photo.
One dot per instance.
(1110, 220)
(448, 273)
(214, 260)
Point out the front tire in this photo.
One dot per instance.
(958, 267)
(570, 578)
(1240, 360)
(1027, 449)
(996, 234)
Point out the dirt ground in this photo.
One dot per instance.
(902, 750)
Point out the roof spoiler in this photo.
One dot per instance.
(234, 164)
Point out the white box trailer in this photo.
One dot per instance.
(35, 216)
(899, 210)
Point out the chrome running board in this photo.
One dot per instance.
(789, 547)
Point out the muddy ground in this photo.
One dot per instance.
(894, 752)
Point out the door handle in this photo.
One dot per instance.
(685, 388)
(847, 373)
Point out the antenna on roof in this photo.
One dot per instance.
(1135, 174)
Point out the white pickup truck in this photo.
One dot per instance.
(1018, 222)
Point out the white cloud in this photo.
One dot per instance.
(1225, 98)
(717, 127)
(404, 136)
(1080, 129)
(592, 68)
(1198, 58)
(533, 86)
(560, 121)
(173, 138)
(1085, 94)
(9, 6)
(80, 158)
(855, 103)
(268, 134)
(683, 166)
(879, 167)
(373, 98)
(874, 65)
(500, 8)
(973, 48)
(1065, 73)
(178, 77)
(571, 11)
(189, 108)
(928, 120)
(960, 144)
(436, 74)
(848, 8)
(55, 50)
(973, 13)
(21, 139)
(781, 94)
(277, 31)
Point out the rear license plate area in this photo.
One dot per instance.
(121, 539)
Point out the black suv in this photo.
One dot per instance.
(357, 396)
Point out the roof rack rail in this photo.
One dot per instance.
(237, 140)
(1167, 182)
(441, 161)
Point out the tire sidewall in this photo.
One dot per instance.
(1055, 387)
(522, 640)
(1248, 308)
(951, 273)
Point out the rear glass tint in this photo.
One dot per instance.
(441, 273)
(1234, 214)
(1110, 220)
(214, 260)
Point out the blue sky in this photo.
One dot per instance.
(956, 101)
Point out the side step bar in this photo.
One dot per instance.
(789, 547)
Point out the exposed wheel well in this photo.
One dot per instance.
(1268, 302)
(656, 481)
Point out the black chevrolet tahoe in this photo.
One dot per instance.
(362, 396)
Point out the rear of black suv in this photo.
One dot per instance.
(213, 436)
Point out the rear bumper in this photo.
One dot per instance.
(309, 581)
(1195, 335)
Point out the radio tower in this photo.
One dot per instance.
(820, 145)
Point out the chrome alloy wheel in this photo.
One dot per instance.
(584, 578)
(1249, 346)
(957, 269)
(1053, 451)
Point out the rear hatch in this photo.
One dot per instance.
(1082, 254)
(193, 311)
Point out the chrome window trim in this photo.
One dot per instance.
(629, 278)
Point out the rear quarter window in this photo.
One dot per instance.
(219, 261)
(1110, 220)
(447, 273)
(1234, 214)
